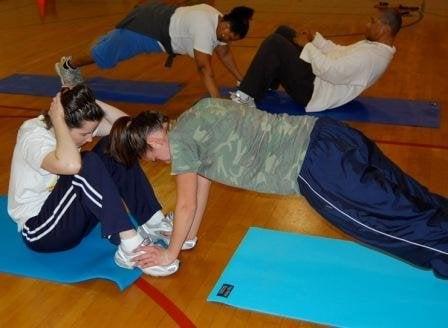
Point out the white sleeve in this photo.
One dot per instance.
(202, 36)
(352, 68)
(35, 147)
(323, 44)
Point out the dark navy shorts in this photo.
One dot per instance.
(122, 44)
(352, 184)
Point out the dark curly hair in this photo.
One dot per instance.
(239, 18)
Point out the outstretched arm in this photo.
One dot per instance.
(185, 212)
(203, 187)
(204, 66)
(225, 55)
(192, 192)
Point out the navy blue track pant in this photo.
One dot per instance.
(98, 193)
(352, 184)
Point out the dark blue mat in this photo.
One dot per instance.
(92, 259)
(105, 89)
(331, 282)
(362, 109)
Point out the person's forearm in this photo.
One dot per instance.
(323, 44)
(202, 198)
(339, 70)
(209, 81)
(111, 114)
(229, 63)
(66, 150)
(183, 219)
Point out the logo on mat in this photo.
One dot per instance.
(225, 290)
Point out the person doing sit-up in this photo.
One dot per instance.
(58, 194)
(322, 74)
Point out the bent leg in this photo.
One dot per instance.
(348, 180)
(277, 60)
(75, 206)
(132, 184)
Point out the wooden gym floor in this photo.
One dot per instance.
(34, 35)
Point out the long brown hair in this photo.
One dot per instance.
(128, 136)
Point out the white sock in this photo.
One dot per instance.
(155, 219)
(129, 244)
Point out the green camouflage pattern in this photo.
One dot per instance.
(240, 146)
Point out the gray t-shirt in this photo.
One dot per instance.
(241, 146)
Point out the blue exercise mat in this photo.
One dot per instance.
(105, 89)
(362, 109)
(92, 259)
(331, 282)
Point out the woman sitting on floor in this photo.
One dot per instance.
(58, 194)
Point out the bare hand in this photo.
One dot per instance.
(152, 256)
(56, 110)
(309, 35)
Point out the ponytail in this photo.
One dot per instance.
(119, 147)
(128, 136)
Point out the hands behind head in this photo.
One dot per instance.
(56, 110)
(152, 256)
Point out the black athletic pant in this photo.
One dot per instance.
(277, 61)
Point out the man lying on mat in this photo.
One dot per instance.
(57, 195)
(153, 27)
(321, 75)
(342, 174)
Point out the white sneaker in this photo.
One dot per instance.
(124, 259)
(160, 233)
(243, 99)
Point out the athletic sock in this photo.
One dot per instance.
(129, 244)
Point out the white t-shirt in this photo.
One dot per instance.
(29, 184)
(194, 27)
(343, 72)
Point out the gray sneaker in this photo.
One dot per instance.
(69, 76)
